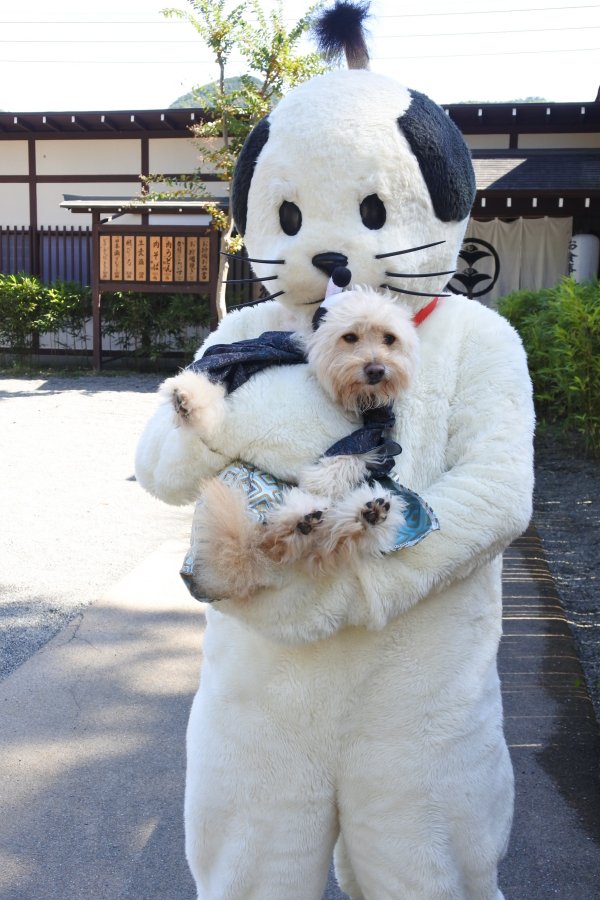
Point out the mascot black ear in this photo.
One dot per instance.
(244, 170)
(443, 157)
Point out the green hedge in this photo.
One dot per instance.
(560, 329)
(29, 308)
(147, 325)
(153, 324)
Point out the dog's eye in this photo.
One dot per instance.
(389, 339)
(290, 217)
(350, 338)
(372, 212)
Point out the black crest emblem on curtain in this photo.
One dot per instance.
(477, 269)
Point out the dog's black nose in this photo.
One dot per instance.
(329, 261)
(374, 373)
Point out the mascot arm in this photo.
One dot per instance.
(484, 499)
(483, 502)
(171, 460)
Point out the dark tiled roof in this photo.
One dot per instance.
(481, 118)
(56, 124)
(537, 171)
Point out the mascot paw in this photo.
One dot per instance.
(198, 402)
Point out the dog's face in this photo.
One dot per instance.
(353, 169)
(364, 351)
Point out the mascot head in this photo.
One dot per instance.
(352, 169)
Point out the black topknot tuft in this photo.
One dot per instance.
(340, 29)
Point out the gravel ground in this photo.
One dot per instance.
(567, 516)
(74, 521)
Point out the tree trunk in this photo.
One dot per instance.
(223, 272)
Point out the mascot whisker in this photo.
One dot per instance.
(355, 703)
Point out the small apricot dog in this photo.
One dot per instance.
(363, 353)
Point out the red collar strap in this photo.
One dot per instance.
(425, 312)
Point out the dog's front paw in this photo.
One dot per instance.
(375, 512)
(333, 476)
(197, 402)
(182, 404)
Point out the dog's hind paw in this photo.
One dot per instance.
(310, 521)
(375, 511)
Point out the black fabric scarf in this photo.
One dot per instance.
(234, 364)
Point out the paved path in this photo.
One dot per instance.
(553, 738)
(93, 723)
(72, 519)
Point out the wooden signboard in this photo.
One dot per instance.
(153, 259)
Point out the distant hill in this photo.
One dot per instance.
(201, 97)
(516, 100)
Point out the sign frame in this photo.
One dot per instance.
(165, 280)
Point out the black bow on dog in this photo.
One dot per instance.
(374, 435)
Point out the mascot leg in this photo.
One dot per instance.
(435, 831)
(260, 815)
(344, 872)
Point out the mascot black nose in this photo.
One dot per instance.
(329, 261)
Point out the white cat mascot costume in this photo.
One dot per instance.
(364, 709)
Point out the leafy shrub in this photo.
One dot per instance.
(148, 325)
(70, 305)
(29, 308)
(22, 311)
(153, 324)
(560, 329)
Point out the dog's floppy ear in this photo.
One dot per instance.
(244, 171)
(443, 157)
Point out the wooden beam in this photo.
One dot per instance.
(107, 122)
(77, 123)
(48, 123)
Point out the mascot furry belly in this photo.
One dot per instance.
(360, 709)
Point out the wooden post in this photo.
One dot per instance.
(96, 295)
(215, 246)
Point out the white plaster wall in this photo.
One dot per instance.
(173, 156)
(487, 141)
(14, 204)
(50, 196)
(559, 141)
(13, 158)
(99, 157)
(170, 156)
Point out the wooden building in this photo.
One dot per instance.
(537, 167)
(534, 163)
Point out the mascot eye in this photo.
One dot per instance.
(389, 339)
(372, 212)
(290, 217)
(350, 338)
